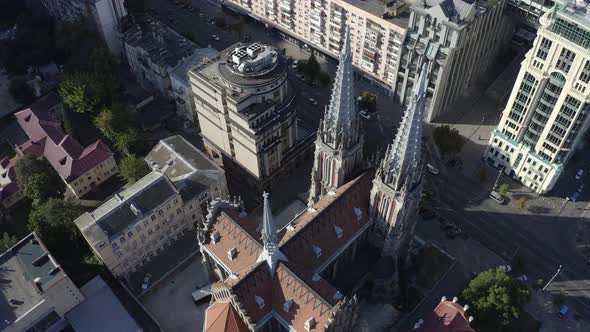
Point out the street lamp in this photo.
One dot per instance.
(551, 280)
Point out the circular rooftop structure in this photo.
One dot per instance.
(253, 65)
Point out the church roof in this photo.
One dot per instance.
(222, 317)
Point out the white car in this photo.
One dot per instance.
(579, 174)
(522, 278)
(432, 169)
(147, 280)
(365, 115)
(496, 196)
(505, 268)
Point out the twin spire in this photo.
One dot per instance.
(341, 123)
(403, 155)
(270, 252)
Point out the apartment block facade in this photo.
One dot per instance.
(547, 113)
(458, 40)
(377, 29)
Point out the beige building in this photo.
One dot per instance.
(246, 107)
(546, 115)
(36, 292)
(377, 29)
(129, 229)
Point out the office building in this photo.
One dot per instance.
(458, 40)
(529, 11)
(37, 293)
(377, 29)
(129, 229)
(546, 116)
(105, 14)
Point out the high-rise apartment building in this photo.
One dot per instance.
(547, 113)
(246, 109)
(377, 28)
(529, 10)
(458, 39)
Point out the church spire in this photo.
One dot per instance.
(403, 155)
(341, 123)
(270, 253)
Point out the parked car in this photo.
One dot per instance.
(365, 115)
(214, 37)
(579, 174)
(454, 232)
(496, 196)
(505, 268)
(202, 294)
(147, 281)
(432, 169)
(522, 278)
(295, 63)
(313, 101)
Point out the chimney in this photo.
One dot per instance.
(443, 299)
(471, 319)
(455, 299)
(418, 324)
(465, 308)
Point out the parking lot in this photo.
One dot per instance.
(170, 301)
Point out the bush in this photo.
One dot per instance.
(133, 168)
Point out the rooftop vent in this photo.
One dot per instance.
(443, 299)
(317, 251)
(253, 50)
(337, 295)
(34, 241)
(358, 213)
(231, 254)
(238, 56)
(418, 324)
(136, 211)
(471, 319)
(290, 228)
(215, 237)
(465, 308)
(455, 299)
(309, 324)
(119, 197)
(54, 271)
(287, 305)
(37, 282)
(316, 277)
(259, 301)
(338, 231)
(41, 260)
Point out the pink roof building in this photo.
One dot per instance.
(448, 316)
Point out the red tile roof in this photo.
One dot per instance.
(222, 317)
(447, 317)
(46, 138)
(8, 184)
(312, 296)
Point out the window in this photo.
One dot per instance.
(160, 212)
(130, 234)
(150, 232)
(153, 217)
(122, 239)
(145, 222)
(564, 62)
(178, 211)
(544, 48)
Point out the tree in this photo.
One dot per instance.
(522, 203)
(448, 140)
(133, 168)
(504, 188)
(496, 297)
(7, 241)
(82, 92)
(38, 180)
(21, 91)
(104, 121)
(54, 222)
(125, 140)
(311, 68)
(368, 101)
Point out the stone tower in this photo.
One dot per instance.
(339, 143)
(397, 184)
(270, 253)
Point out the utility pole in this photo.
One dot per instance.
(551, 280)
(497, 179)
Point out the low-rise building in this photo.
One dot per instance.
(81, 168)
(9, 191)
(135, 224)
(448, 316)
(104, 13)
(36, 292)
(181, 88)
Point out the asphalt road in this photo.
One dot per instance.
(543, 237)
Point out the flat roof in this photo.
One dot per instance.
(21, 265)
(180, 72)
(380, 8)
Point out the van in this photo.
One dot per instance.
(202, 294)
(497, 197)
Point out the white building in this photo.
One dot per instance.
(547, 113)
(180, 84)
(132, 227)
(459, 40)
(377, 28)
(36, 292)
(104, 13)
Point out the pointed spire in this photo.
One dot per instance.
(340, 119)
(403, 155)
(270, 253)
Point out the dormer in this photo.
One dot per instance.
(28, 118)
(63, 160)
(358, 213)
(232, 253)
(215, 237)
(338, 231)
(260, 301)
(317, 251)
(309, 324)
(287, 305)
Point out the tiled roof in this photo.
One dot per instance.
(8, 184)
(222, 317)
(46, 138)
(447, 317)
(337, 221)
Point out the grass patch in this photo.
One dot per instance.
(429, 266)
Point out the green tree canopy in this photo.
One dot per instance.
(54, 222)
(133, 168)
(38, 180)
(21, 91)
(7, 241)
(522, 203)
(496, 298)
(448, 140)
(311, 68)
(504, 188)
(126, 140)
(82, 92)
(368, 101)
(104, 121)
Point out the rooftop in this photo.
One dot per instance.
(27, 268)
(180, 72)
(384, 10)
(125, 208)
(448, 316)
(456, 11)
(164, 46)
